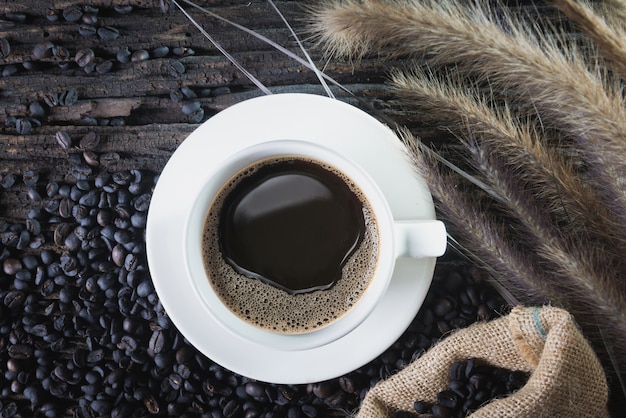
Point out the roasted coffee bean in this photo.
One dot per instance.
(72, 13)
(190, 107)
(188, 92)
(123, 9)
(90, 18)
(448, 399)
(89, 199)
(117, 122)
(36, 109)
(23, 240)
(61, 53)
(63, 139)
(23, 126)
(43, 50)
(441, 411)
(9, 70)
(157, 342)
(144, 289)
(87, 30)
(34, 195)
(81, 172)
(80, 212)
(72, 242)
(52, 15)
(136, 188)
(197, 116)
(100, 407)
(108, 33)
(122, 237)
(33, 226)
(130, 263)
(90, 9)
(140, 55)
(50, 205)
(9, 238)
(183, 51)
(160, 51)
(76, 193)
(7, 180)
(95, 356)
(127, 343)
(11, 266)
(10, 121)
(104, 67)
(176, 69)
(151, 404)
(109, 158)
(254, 389)
(5, 48)
(88, 69)
(231, 409)
(122, 178)
(165, 5)
(138, 220)
(91, 158)
(68, 97)
(142, 203)
(30, 177)
(443, 306)
(30, 65)
(20, 351)
(10, 409)
(176, 96)
(458, 387)
(84, 57)
(123, 55)
(219, 91)
(51, 99)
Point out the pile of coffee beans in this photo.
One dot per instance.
(472, 383)
(83, 333)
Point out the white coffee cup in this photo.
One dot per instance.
(405, 238)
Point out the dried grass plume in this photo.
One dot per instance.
(540, 199)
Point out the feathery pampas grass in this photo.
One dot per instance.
(604, 26)
(546, 145)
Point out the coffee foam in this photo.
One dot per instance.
(273, 309)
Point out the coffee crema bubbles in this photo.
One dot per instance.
(290, 244)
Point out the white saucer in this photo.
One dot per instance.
(317, 119)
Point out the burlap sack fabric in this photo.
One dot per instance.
(566, 378)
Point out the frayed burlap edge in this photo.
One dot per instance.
(566, 378)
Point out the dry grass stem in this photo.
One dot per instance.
(570, 201)
(547, 73)
(566, 257)
(483, 235)
(618, 9)
(610, 38)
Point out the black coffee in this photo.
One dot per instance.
(290, 244)
(292, 224)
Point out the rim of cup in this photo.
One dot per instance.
(216, 177)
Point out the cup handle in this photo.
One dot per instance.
(420, 239)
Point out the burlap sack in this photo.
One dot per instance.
(566, 378)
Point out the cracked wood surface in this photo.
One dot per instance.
(137, 94)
